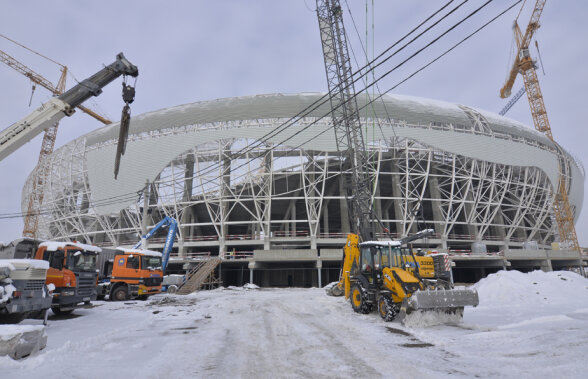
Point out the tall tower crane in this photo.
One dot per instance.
(36, 195)
(35, 200)
(524, 65)
(345, 115)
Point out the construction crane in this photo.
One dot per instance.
(55, 109)
(525, 65)
(35, 199)
(40, 80)
(375, 272)
(512, 101)
(345, 116)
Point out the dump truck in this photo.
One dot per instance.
(23, 292)
(129, 274)
(72, 269)
(389, 277)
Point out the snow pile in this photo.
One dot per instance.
(7, 332)
(422, 319)
(6, 292)
(6, 263)
(514, 288)
(246, 286)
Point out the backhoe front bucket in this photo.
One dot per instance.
(448, 301)
(334, 289)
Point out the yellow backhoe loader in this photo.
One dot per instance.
(387, 275)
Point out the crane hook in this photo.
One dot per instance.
(128, 95)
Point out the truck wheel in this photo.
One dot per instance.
(12, 318)
(172, 288)
(59, 312)
(120, 294)
(387, 309)
(359, 297)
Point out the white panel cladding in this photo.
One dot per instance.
(146, 158)
(486, 149)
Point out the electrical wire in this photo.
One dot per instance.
(123, 198)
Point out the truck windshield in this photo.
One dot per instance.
(81, 261)
(149, 262)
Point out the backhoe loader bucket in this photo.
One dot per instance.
(334, 289)
(447, 301)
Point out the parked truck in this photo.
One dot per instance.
(72, 270)
(129, 274)
(23, 292)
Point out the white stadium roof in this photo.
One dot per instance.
(154, 138)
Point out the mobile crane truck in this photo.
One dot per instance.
(135, 273)
(129, 274)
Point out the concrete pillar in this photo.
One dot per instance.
(325, 217)
(319, 266)
(225, 185)
(436, 204)
(251, 266)
(397, 195)
(546, 265)
(378, 210)
(188, 177)
(181, 249)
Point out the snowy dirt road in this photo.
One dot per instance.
(524, 327)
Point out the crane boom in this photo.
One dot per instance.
(524, 65)
(522, 56)
(42, 81)
(345, 115)
(56, 108)
(169, 239)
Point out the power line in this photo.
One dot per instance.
(125, 197)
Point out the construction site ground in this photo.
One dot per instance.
(527, 325)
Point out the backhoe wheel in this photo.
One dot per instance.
(387, 309)
(359, 297)
(120, 294)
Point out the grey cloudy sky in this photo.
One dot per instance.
(189, 51)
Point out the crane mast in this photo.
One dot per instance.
(524, 65)
(345, 116)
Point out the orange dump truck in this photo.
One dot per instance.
(72, 270)
(129, 274)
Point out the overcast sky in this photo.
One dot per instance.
(189, 51)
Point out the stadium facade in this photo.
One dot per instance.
(238, 180)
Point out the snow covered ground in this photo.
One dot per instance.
(527, 326)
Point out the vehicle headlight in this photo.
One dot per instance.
(68, 293)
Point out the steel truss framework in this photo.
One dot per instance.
(279, 197)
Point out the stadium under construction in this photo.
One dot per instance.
(252, 181)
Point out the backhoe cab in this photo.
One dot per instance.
(387, 275)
